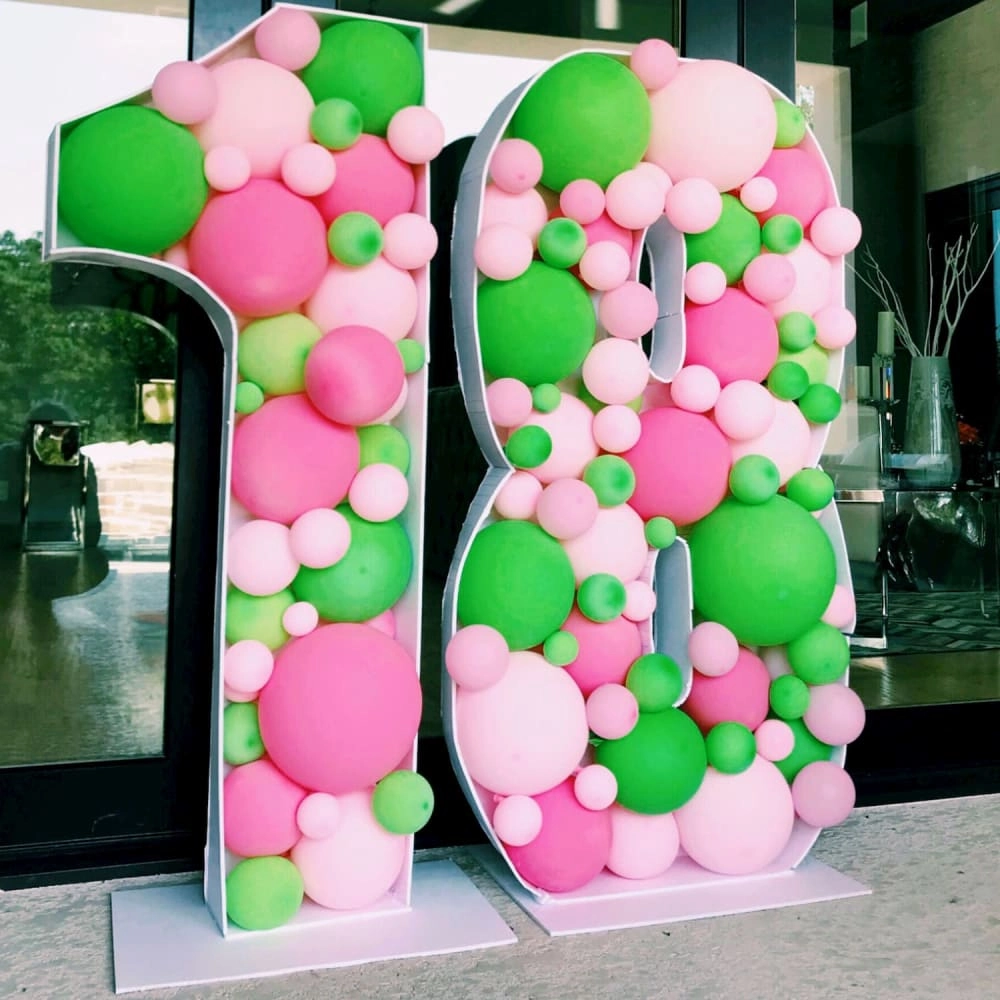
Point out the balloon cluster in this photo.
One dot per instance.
(287, 181)
(588, 749)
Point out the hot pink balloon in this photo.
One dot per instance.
(259, 804)
(515, 166)
(693, 205)
(802, 183)
(628, 311)
(185, 92)
(823, 793)
(259, 558)
(567, 508)
(605, 230)
(476, 657)
(606, 651)
(740, 695)
(370, 179)
(736, 337)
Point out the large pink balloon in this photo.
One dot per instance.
(642, 846)
(615, 544)
(813, 282)
(259, 805)
(370, 179)
(607, 650)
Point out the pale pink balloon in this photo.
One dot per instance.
(705, 283)
(786, 442)
(526, 211)
(318, 815)
(836, 714)
(634, 201)
(642, 846)
(526, 733)
(595, 787)
(835, 231)
(476, 657)
(508, 402)
(813, 282)
(769, 278)
(759, 194)
(247, 667)
(841, 610)
(518, 497)
(835, 327)
(737, 824)
(385, 623)
(308, 170)
(232, 694)
(357, 864)
(775, 739)
(616, 544)
(656, 174)
(695, 388)
(567, 508)
(713, 649)
(616, 428)
(516, 166)
(616, 371)
(288, 38)
(300, 618)
(178, 256)
(185, 92)
(823, 793)
(379, 492)
(517, 820)
(693, 205)
(582, 200)
(415, 134)
(503, 252)
(744, 410)
(628, 311)
(776, 660)
(655, 62)
(259, 559)
(640, 601)
(570, 426)
(612, 711)
(410, 241)
(320, 538)
(605, 265)
(227, 168)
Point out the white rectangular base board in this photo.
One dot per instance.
(656, 901)
(448, 914)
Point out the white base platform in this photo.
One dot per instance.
(164, 936)
(686, 892)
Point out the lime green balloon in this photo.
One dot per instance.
(820, 403)
(384, 444)
(731, 747)
(249, 397)
(561, 648)
(791, 124)
(413, 354)
(661, 532)
(403, 802)
(731, 243)
(656, 681)
(601, 597)
(369, 63)
(131, 180)
(537, 328)
(813, 358)
(820, 655)
(336, 123)
(812, 489)
(796, 331)
(368, 580)
(611, 478)
(259, 618)
(519, 580)
(263, 893)
(781, 233)
(754, 479)
(788, 697)
(272, 352)
(546, 397)
(241, 741)
(788, 380)
(659, 765)
(355, 238)
(562, 242)
(765, 571)
(528, 447)
(807, 750)
(589, 117)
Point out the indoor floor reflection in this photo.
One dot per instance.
(927, 678)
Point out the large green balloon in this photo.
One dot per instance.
(589, 116)
(272, 352)
(372, 65)
(765, 571)
(659, 765)
(369, 579)
(537, 328)
(263, 893)
(519, 580)
(731, 243)
(807, 750)
(259, 618)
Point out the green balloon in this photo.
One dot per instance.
(754, 479)
(813, 358)
(731, 747)
(561, 648)
(807, 750)
(368, 580)
(369, 63)
(257, 618)
(812, 489)
(731, 243)
(781, 233)
(791, 124)
(336, 123)
(601, 597)
(562, 242)
(661, 532)
(659, 765)
(241, 742)
(820, 403)
(820, 655)
(796, 331)
(519, 580)
(765, 571)
(272, 352)
(383, 443)
(537, 328)
(403, 802)
(355, 239)
(528, 447)
(263, 893)
(589, 116)
(249, 397)
(546, 397)
(788, 380)
(585, 396)
(131, 180)
(413, 354)
(656, 681)
(788, 697)
(611, 478)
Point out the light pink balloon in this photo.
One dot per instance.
(503, 251)
(508, 402)
(642, 846)
(288, 38)
(616, 428)
(705, 283)
(582, 200)
(616, 544)
(567, 508)
(320, 538)
(178, 256)
(759, 194)
(526, 211)
(260, 560)
(813, 282)
(775, 739)
(612, 712)
(656, 174)
(786, 442)
(415, 134)
(410, 241)
(227, 168)
(518, 497)
(713, 649)
(185, 92)
(595, 787)
(836, 714)
(317, 815)
(744, 410)
(232, 694)
(835, 327)
(776, 660)
(823, 793)
(835, 231)
(693, 205)
(615, 370)
(570, 426)
(769, 278)
(634, 201)
(841, 610)
(385, 623)
(516, 166)
(640, 601)
(655, 62)
(379, 492)
(476, 657)
(308, 170)
(247, 666)
(517, 820)
(605, 265)
(628, 311)
(300, 618)
(695, 388)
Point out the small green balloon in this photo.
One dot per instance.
(355, 238)
(820, 655)
(731, 243)
(611, 478)
(796, 331)
(788, 380)
(789, 697)
(731, 747)
(546, 397)
(412, 353)
(403, 802)
(272, 352)
(241, 741)
(812, 489)
(384, 444)
(601, 597)
(661, 532)
(561, 648)
(754, 479)
(656, 681)
(807, 750)
(562, 242)
(249, 397)
(820, 403)
(528, 447)
(781, 233)
(263, 893)
(257, 618)
(335, 123)
(813, 358)
(791, 124)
